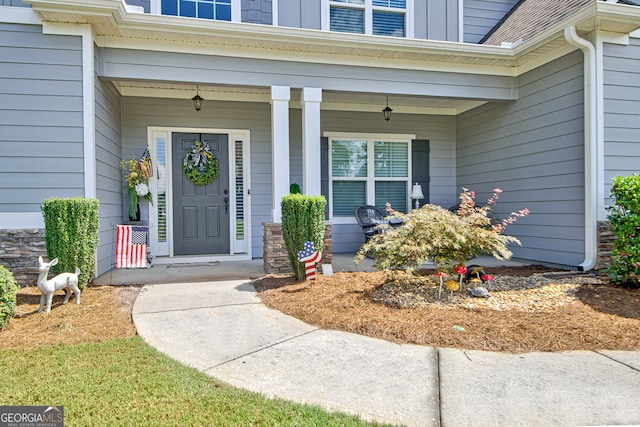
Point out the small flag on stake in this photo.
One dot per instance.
(309, 257)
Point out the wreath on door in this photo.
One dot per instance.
(200, 165)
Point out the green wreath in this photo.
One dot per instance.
(200, 165)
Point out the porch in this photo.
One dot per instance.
(236, 270)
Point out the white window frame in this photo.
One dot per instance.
(236, 10)
(370, 178)
(368, 15)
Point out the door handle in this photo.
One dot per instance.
(226, 205)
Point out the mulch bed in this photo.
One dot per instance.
(104, 313)
(549, 312)
(557, 315)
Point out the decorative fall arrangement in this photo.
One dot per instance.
(137, 174)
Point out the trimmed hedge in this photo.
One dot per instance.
(8, 289)
(71, 235)
(625, 226)
(302, 221)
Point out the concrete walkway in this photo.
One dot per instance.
(222, 329)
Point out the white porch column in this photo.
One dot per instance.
(310, 100)
(280, 96)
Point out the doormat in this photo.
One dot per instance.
(194, 264)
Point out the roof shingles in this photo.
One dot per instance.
(532, 16)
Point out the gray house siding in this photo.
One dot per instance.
(533, 149)
(257, 11)
(14, 3)
(41, 143)
(108, 173)
(621, 112)
(300, 14)
(480, 16)
(436, 20)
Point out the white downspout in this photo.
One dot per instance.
(590, 148)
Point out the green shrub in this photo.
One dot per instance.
(625, 226)
(8, 289)
(294, 188)
(302, 221)
(446, 238)
(71, 235)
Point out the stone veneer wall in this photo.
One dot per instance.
(276, 259)
(19, 252)
(605, 245)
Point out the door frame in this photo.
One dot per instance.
(240, 244)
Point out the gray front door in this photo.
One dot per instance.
(200, 212)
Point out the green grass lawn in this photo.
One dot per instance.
(125, 382)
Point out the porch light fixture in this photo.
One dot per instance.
(416, 194)
(387, 111)
(197, 100)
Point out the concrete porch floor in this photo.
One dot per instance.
(232, 270)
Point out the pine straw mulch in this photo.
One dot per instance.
(104, 313)
(556, 314)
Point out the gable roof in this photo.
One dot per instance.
(529, 17)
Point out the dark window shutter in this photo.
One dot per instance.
(324, 172)
(420, 166)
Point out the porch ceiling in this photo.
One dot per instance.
(331, 100)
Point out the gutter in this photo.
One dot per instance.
(590, 148)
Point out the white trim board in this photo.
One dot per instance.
(19, 15)
(21, 220)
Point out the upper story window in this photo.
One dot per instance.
(377, 17)
(219, 10)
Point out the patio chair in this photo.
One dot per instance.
(370, 217)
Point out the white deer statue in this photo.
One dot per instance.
(66, 281)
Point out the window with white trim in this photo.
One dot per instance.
(376, 17)
(219, 10)
(368, 171)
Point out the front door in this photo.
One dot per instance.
(200, 212)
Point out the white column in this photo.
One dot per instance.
(280, 96)
(310, 99)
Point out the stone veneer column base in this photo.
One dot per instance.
(19, 252)
(605, 245)
(276, 259)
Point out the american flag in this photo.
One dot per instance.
(310, 257)
(131, 246)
